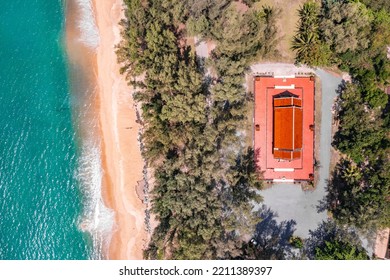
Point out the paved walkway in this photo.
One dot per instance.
(280, 69)
(201, 48)
(288, 200)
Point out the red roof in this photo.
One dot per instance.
(287, 138)
(287, 101)
(287, 131)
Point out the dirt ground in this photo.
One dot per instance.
(249, 129)
(287, 24)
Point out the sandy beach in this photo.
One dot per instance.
(121, 155)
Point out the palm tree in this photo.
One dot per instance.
(306, 47)
(306, 41)
(308, 14)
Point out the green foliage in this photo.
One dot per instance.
(210, 8)
(348, 34)
(296, 242)
(131, 47)
(358, 196)
(360, 186)
(378, 5)
(269, 43)
(203, 14)
(338, 250)
(188, 101)
(332, 242)
(346, 26)
(177, 9)
(239, 36)
(254, 29)
(197, 26)
(362, 134)
(306, 43)
(359, 38)
(370, 66)
(376, 98)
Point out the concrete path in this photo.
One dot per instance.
(201, 48)
(288, 200)
(280, 69)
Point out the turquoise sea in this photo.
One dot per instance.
(42, 200)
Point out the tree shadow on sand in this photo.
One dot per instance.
(271, 239)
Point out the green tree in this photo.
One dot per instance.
(378, 5)
(338, 250)
(306, 43)
(296, 242)
(346, 25)
(361, 133)
(361, 203)
(330, 241)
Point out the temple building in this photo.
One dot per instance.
(284, 122)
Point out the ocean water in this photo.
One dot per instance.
(46, 172)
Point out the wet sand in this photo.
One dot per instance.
(121, 155)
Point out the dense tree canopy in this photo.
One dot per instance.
(339, 250)
(377, 5)
(362, 134)
(345, 33)
(345, 26)
(359, 190)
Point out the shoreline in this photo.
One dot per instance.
(121, 156)
(96, 219)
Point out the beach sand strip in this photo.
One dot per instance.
(121, 155)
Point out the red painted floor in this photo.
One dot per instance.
(264, 92)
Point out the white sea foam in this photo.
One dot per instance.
(97, 219)
(89, 33)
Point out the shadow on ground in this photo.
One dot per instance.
(329, 231)
(271, 238)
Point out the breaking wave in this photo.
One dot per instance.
(97, 219)
(89, 33)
